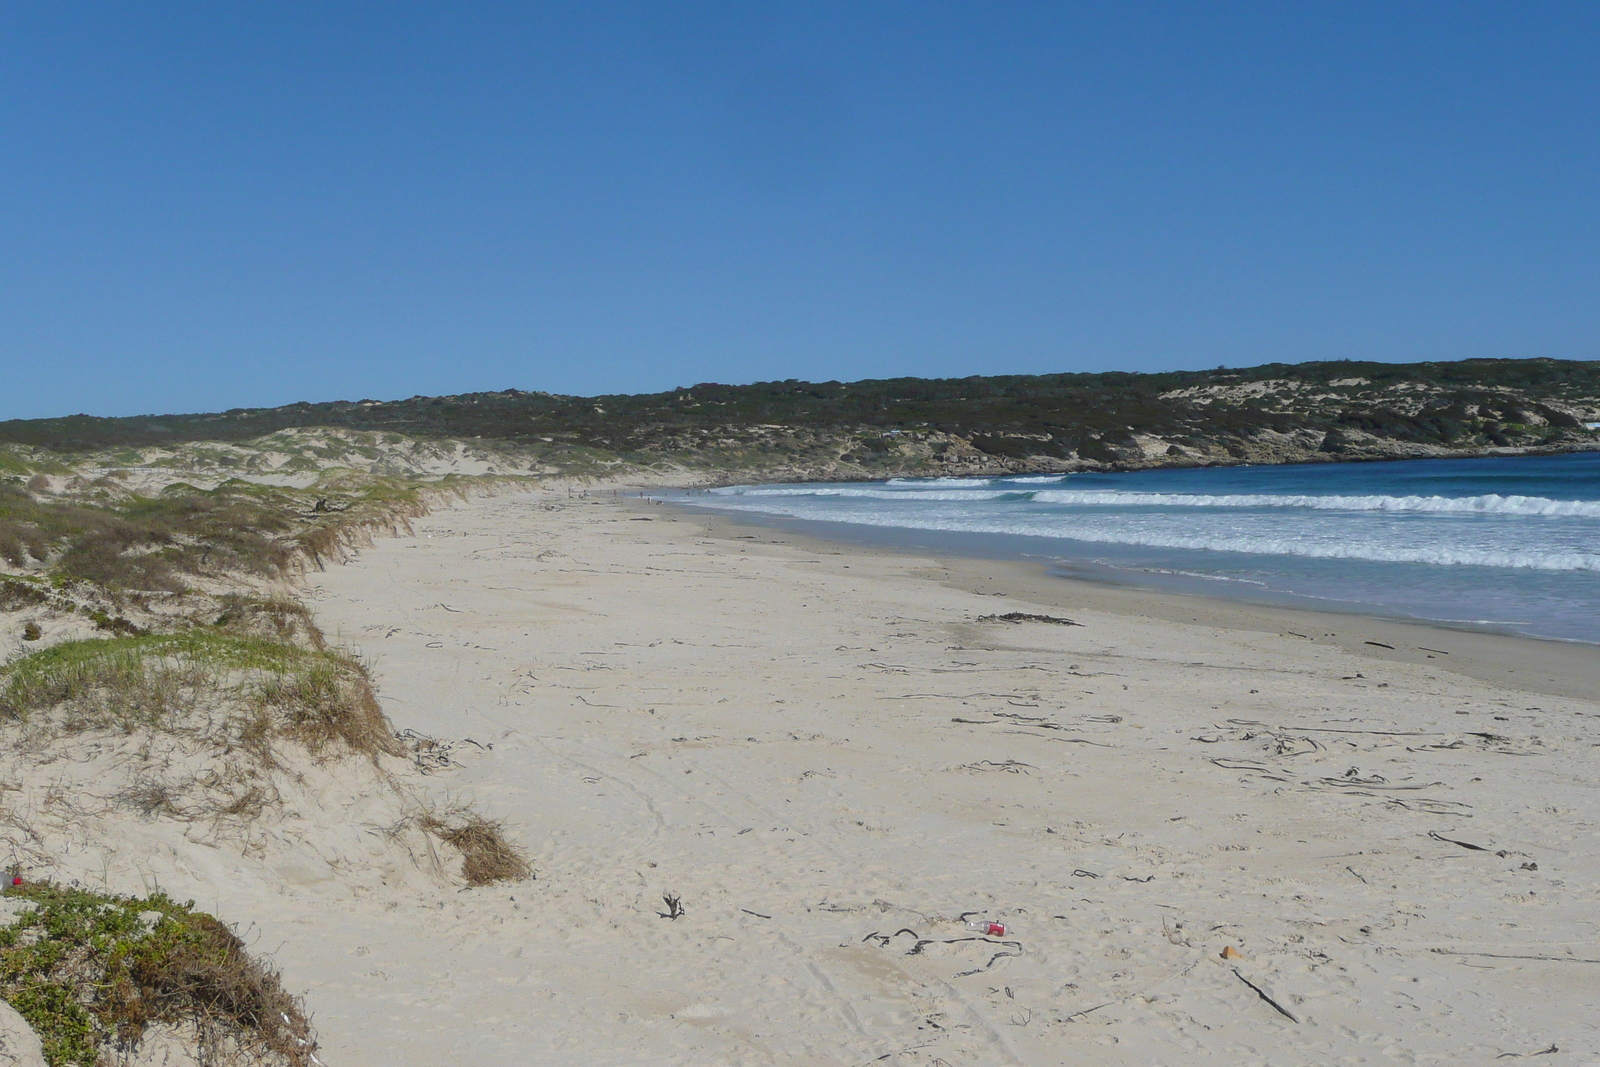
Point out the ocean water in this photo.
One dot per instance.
(1509, 543)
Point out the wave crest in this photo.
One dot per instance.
(1488, 504)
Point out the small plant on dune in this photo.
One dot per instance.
(280, 617)
(327, 699)
(92, 972)
(18, 593)
(487, 855)
(150, 797)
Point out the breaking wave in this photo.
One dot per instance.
(978, 489)
(1490, 504)
(850, 492)
(952, 482)
(1303, 547)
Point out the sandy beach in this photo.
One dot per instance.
(828, 758)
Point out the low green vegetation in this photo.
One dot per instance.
(230, 688)
(92, 972)
(125, 544)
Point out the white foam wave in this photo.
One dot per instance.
(1489, 504)
(1557, 559)
(1034, 479)
(971, 483)
(1295, 541)
(869, 494)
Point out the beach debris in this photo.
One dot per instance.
(1276, 741)
(1380, 644)
(1453, 808)
(1023, 616)
(1279, 1008)
(1228, 763)
(428, 753)
(1231, 953)
(1009, 766)
(1033, 721)
(1513, 956)
(487, 854)
(674, 905)
(1551, 1051)
(983, 936)
(1452, 841)
(1352, 777)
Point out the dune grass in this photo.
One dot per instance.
(148, 545)
(162, 544)
(249, 689)
(91, 972)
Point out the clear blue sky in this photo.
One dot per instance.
(233, 204)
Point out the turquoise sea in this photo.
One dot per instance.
(1509, 543)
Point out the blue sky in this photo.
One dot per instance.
(229, 204)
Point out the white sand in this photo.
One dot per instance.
(769, 730)
(768, 727)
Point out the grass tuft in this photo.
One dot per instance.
(487, 855)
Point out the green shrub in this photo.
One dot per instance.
(89, 971)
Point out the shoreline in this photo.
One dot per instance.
(817, 747)
(1549, 666)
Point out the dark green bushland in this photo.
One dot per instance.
(1057, 412)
